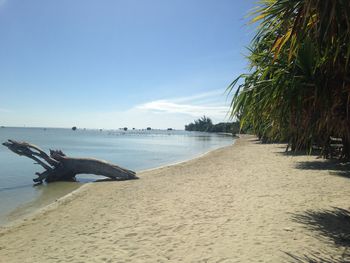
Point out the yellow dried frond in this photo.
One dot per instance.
(286, 37)
(292, 46)
(257, 18)
(277, 44)
(280, 42)
(313, 21)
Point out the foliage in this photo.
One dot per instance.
(227, 127)
(205, 124)
(298, 87)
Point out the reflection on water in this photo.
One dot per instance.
(135, 149)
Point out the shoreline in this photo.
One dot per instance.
(188, 160)
(248, 202)
(52, 205)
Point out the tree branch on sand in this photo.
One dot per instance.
(59, 167)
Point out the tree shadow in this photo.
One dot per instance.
(254, 140)
(315, 258)
(278, 144)
(333, 166)
(330, 225)
(296, 153)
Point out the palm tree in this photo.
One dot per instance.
(298, 87)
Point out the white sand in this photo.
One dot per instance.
(235, 204)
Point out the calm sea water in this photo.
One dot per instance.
(136, 150)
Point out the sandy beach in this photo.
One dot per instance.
(249, 202)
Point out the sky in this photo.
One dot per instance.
(119, 63)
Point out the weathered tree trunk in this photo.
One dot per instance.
(59, 167)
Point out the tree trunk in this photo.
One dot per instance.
(59, 167)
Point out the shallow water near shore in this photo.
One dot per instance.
(135, 149)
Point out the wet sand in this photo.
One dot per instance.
(244, 203)
(48, 193)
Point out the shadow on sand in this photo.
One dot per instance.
(254, 141)
(289, 152)
(335, 167)
(315, 258)
(330, 225)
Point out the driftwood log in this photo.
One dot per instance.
(59, 167)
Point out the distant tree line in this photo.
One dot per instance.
(205, 124)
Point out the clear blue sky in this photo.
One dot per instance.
(116, 63)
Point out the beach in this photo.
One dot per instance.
(249, 202)
(135, 149)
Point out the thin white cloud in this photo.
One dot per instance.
(209, 103)
(205, 95)
(194, 110)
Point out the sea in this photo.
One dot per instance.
(133, 149)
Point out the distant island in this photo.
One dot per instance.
(205, 124)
